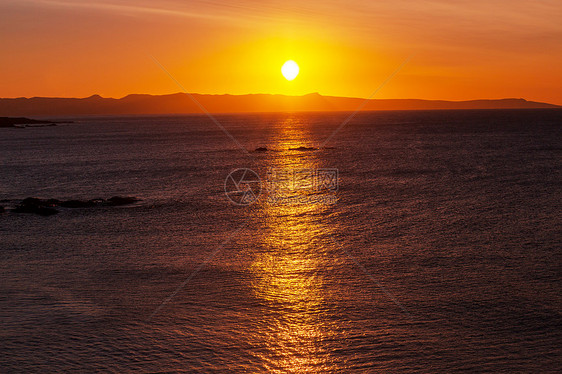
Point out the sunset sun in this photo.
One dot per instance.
(290, 70)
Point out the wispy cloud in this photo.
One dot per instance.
(129, 9)
(243, 13)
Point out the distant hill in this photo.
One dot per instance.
(181, 103)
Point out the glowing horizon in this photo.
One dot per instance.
(467, 50)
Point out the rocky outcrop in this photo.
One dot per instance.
(303, 149)
(48, 207)
(36, 206)
(21, 122)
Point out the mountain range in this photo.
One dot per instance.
(182, 103)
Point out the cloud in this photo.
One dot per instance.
(129, 9)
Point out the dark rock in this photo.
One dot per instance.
(261, 149)
(52, 202)
(47, 207)
(32, 201)
(22, 122)
(2, 210)
(77, 204)
(303, 149)
(34, 205)
(33, 209)
(121, 200)
(45, 211)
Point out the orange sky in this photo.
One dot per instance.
(461, 49)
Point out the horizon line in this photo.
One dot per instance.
(276, 94)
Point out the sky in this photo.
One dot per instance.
(450, 50)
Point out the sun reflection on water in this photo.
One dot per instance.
(287, 273)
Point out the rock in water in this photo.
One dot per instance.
(121, 200)
(35, 206)
(303, 149)
(77, 204)
(48, 207)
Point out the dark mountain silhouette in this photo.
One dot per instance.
(181, 103)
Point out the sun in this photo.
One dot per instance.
(290, 70)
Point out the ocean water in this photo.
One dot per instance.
(439, 252)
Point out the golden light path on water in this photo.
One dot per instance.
(287, 272)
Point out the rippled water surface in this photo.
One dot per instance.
(442, 252)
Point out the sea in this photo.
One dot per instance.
(375, 242)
